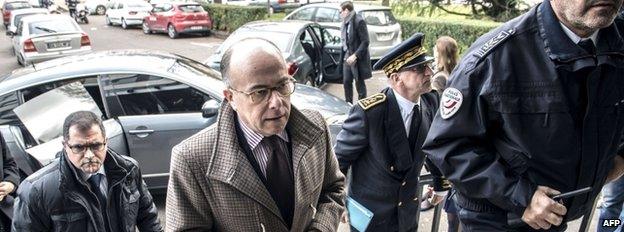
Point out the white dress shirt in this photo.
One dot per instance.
(576, 39)
(103, 182)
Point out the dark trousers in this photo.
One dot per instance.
(350, 72)
(474, 221)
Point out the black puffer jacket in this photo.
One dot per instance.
(56, 198)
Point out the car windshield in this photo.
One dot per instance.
(17, 5)
(378, 17)
(19, 17)
(52, 26)
(191, 8)
(282, 40)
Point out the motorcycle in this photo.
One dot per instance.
(81, 13)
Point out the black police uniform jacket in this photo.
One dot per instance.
(384, 174)
(56, 198)
(518, 125)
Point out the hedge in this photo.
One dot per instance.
(464, 32)
(229, 18)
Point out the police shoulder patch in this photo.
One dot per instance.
(371, 101)
(451, 100)
(494, 41)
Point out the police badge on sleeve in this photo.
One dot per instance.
(451, 101)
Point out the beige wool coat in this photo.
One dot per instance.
(213, 187)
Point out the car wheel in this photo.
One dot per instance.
(124, 25)
(100, 10)
(146, 29)
(206, 33)
(172, 32)
(108, 22)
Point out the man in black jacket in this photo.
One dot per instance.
(87, 189)
(355, 57)
(9, 182)
(380, 140)
(535, 108)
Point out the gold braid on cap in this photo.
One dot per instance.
(396, 64)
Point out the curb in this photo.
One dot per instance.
(220, 34)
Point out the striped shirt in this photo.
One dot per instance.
(260, 148)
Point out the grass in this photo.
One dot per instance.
(277, 16)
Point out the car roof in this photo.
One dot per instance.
(28, 11)
(356, 7)
(102, 62)
(288, 26)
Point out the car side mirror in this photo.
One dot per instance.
(210, 108)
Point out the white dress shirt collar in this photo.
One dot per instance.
(576, 39)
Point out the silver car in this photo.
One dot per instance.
(150, 101)
(45, 37)
(383, 29)
(17, 15)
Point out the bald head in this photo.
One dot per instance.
(253, 55)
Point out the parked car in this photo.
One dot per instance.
(9, 6)
(97, 7)
(314, 49)
(17, 15)
(127, 13)
(150, 101)
(177, 18)
(383, 29)
(45, 37)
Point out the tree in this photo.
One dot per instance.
(499, 10)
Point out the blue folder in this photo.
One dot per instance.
(359, 216)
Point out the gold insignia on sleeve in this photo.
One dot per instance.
(371, 101)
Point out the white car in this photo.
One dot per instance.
(97, 7)
(45, 37)
(127, 13)
(384, 31)
(17, 15)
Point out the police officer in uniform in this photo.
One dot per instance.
(534, 109)
(380, 140)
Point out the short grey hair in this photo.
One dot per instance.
(227, 56)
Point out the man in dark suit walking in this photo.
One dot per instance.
(355, 56)
(380, 140)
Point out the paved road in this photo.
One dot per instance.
(196, 47)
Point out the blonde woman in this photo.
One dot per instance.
(446, 54)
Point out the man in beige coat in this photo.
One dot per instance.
(264, 166)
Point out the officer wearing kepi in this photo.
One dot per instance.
(534, 109)
(380, 140)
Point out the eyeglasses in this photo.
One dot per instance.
(285, 89)
(421, 68)
(82, 148)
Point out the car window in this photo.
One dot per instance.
(304, 14)
(120, 6)
(20, 27)
(158, 8)
(7, 103)
(52, 26)
(191, 8)
(324, 14)
(17, 5)
(139, 5)
(331, 36)
(90, 84)
(111, 5)
(378, 17)
(18, 18)
(167, 7)
(141, 94)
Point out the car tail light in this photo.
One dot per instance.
(84, 40)
(292, 68)
(29, 46)
(281, 1)
(132, 13)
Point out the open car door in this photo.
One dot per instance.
(329, 40)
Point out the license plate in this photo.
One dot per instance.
(60, 44)
(197, 27)
(385, 36)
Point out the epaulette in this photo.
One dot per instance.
(493, 42)
(371, 101)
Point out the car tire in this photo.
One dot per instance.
(206, 33)
(146, 29)
(100, 10)
(172, 32)
(108, 21)
(124, 25)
